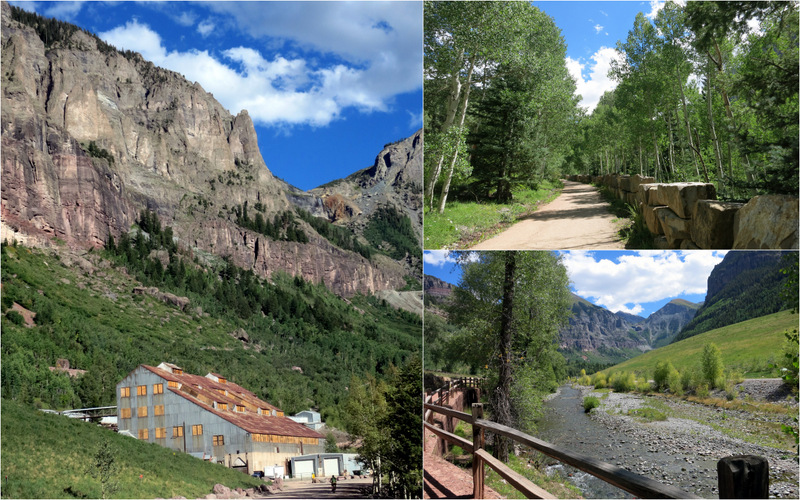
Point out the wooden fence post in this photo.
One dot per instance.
(477, 444)
(743, 476)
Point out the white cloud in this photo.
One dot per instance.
(373, 61)
(185, 18)
(205, 28)
(437, 258)
(63, 10)
(639, 278)
(655, 7)
(599, 82)
(598, 28)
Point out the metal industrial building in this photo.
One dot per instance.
(210, 418)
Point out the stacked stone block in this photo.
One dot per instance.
(687, 215)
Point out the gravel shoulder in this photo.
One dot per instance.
(687, 445)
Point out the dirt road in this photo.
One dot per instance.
(577, 219)
(346, 488)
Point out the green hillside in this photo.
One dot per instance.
(45, 456)
(747, 347)
(87, 312)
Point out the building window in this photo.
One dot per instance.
(158, 410)
(161, 432)
(177, 371)
(158, 388)
(240, 408)
(177, 431)
(222, 406)
(124, 392)
(142, 411)
(124, 413)
(172, 383)
(197, 430)
(141, 390)
(143, 434)
(219, 440)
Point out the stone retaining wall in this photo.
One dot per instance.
(687, 215)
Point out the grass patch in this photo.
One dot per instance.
(556, 485)
(466, 223)
(647, 414)
(45, 456)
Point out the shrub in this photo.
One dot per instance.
(661, 374)
(622, 381)
(674, 383)
(712, 366)
(585, 380)
(589, 403)
(599, 381)
(15, 317)
(701, 391)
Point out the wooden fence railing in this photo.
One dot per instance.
(640, 486)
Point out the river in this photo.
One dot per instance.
(680, 452)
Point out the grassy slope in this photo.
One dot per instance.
(45, 456)
(747, 346)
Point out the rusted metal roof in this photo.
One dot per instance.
(204, 391)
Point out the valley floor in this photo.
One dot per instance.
(683, 449)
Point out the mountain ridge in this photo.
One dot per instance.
(92, 135)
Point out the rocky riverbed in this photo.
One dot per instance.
(685, 447)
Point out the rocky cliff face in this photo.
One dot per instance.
(663, 325)
(592, 327)
(90, 136)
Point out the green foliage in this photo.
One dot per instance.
(282, 227)
(713, 370)
(589, 403)
(662, 375)
(387, 417)
(648, 414)
(98, 325)
(35, 444)
(330, 443)
(622, 381)
(97, 152)
(599, 380)
(390, 231)
(339, 236)
(105, 469)
(15, 317)
(519, 341)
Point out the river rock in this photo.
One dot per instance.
(713, 223)
(767, 221)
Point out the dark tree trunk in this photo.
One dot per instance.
(501, 407)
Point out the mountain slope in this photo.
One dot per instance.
(748, 347)
(744, 285)
(663, 325)
(91, 136)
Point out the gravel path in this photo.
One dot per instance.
(577, 219)
(689, 447)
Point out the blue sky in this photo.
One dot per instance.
(591, 31)
(637, 282)
(327, 84)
